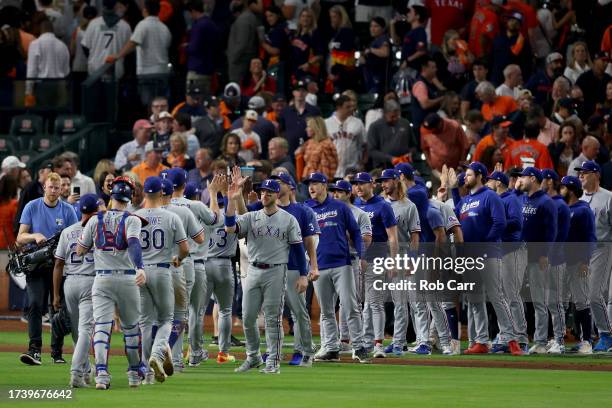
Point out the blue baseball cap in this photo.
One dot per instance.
(461, 179)
(499, 176)
(88, 203)
(550, 174)
(405, 169)
(270, 185)
(479, 168)
(316, 178)
(167, 187)
(153, 184)
(164, 173)
(192, 190)
(285, 178)
(589, 166)
(341, 185)
(532, 171)
(387, 174)
(178, 176)
(571, 181)
(420, 181)
(362, 177)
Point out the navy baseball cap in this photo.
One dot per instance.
(499, 176)
(167, 187)
(387, 174)
(88, 203)
(178, 176)
(589, 166)
(532, 171)
(285, 178)
(192, 190)
(164, 173)
(550, 174)
(461, 179)
(362, 177)
(479, 168)
(316, 178)
(420, 181)
(270, 185)
(153, 184)
(341, 185)
(571, 181)
(405, 169)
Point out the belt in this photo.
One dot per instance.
(115, 272)
(80, 274)
(218, 257)
(160, 265)
(199, 261)
(264, 265)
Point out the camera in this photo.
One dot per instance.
(25, 261)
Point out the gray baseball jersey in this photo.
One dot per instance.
(204, 215)
(190, 223)
(407, 218)
(450, 219)
(66, 251)
(109, 257)
(601, 204)
(269, 236)
(159, 238)
(220, 243)
(363, 220)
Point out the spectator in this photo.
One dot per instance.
(484, 27)
(79, 179)
(307, 47)
(104, 165)
(563, 151)
(243, 39)
(192, 105)
(528, 150)
(560, 89)
(593, 83)
(11, 166)
(58, 20)
(341, 64)
(469, 99)
(163, 130)
(499, 137)
(151, 40)
(319, 152)
(372, 115)
(493, 105)
(578, 63)
(513, 79)
(589, 151)
(201, 174)
(348, 136)
(490, 157)
(63, 166)
(426, 94)
(540, 84)
(263, 127)
(376, 58)
(8, 210)
(34, 190)
(249, 139)
(67, 195)
(450, 107)
(510, 47)
(202, 47)
(48, 59)
(257, 81)
(178, 156)
(210, 127)
(549, 131)
(276, 40)
(152, 163)
(414, 43)
(453, 61)
(182, 125)
(23, 180)
(446, 16)
(292, 10)
(391, 139)
(292, 120)
(230, 105)
(278, 104)
(79, 59)
(158, 105)
(230, 147)
(133, 152)
(106, 185)
(474, 123)
(278, 154)
(443, 141)
(565, 111)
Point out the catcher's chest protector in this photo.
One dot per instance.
(106, 240)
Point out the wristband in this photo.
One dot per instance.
(230, 221)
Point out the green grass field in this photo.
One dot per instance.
(324, 385)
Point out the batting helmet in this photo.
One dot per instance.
(122, 189)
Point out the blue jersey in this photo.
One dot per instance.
(514, 220)
(563, 223)
(539, 224)
(418, 195)
(581, 235)
(46, 220)
(335, 219)
(381, 216)
(306, 228)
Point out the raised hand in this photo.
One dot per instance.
(444, 176)
(499, 167)
(252, 197)
(237, 177)
(452, 179)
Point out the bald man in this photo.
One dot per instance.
(590, 150)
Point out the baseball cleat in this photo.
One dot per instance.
(296, 359)
(306, 362)
(236, 342)
(91, 373)
(270, 370)
(330, 356)
(514, 348)
(447, 350)
(178, 367)
(524, 348)
(585, 347)
(379, 351)
(32, 357)
(168, 367)
(499, 349)
(556, 348)
(321, 352)
(538, 349)
(149, 378)
(397, 351)
(455, 347)
(345, 348)
(389, 348)
(604, 343)
(158, 369)
(264, 356)
(423, 350)
(102, 386)
(248, 365)
(76, 381)
(225, 358)
(196, 358)
(215, 340)
(477, 348)
(361, 355)
(58, 359)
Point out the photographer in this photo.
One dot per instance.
(41, 219)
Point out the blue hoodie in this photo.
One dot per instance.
(335, 220)
(429, 219)
(539, 225)
(514, 221)
(581, 236)
(381, 216)
(563, 224)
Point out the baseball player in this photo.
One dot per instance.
(600, 201)
(556, 278)
(119, 273)
(159, 238)
(334, 260)
(271, 234)
(582, 236)
(194, 269)
(181, 300)
(79, 273)
(483, 219)
(539, 231)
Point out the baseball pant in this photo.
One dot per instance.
(599, 277)
(554, 300)
(220, 281)
(514, 265)
(400, 314)
(538, 283)
(189, 276)
(197, 304)
(302, 329)
(343, 315)
(419, 314)
(373, 308)
(181, 304)
(109, 291)
(264, 288)
(339, 281)
(157, 306)
(578, 285)
(77, 293)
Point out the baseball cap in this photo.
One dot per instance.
(153, 184)
(47, 164)
(341, 185)
(192, 190)
(501, 121)
(550, 174)
(88, 203)
(571, 181)
(405, 169)
(432, 121)
(278, 98)
(141, 124)
(479, 168)
(514, 172)
(257, 102)
(164, 115)
(589, 166)
(285, 178)
(194, 90)
(517, 16)
(153, 146)
(251, 115)
(362, 177)
(231, 90)
(387, 174)
(499, 176)
(211, 101)
(461, 179)
(316, 177)
(270, 185)
(601, 55)
(167, 187)
(12, 162)
(552, 57)
(567, 103)
(532, 171)
(299, 85)
(178, 176)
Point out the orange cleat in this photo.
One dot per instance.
(225, 358)
(477, 348)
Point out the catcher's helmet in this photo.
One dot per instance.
(123, 189)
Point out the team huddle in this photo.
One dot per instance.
(155, 269)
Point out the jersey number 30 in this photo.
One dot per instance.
(156, 238)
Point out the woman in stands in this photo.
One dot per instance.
(319, 151)
(178, 156)
(230, 147)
